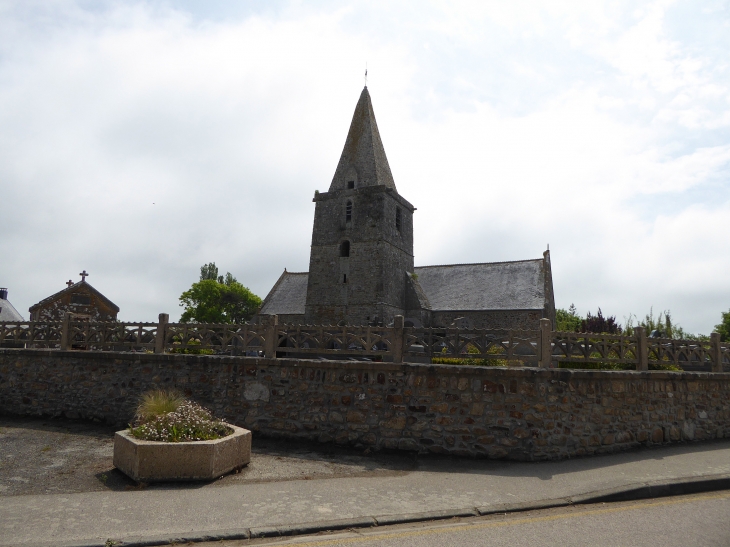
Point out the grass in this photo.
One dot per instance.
(158, 402)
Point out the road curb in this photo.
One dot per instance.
(635, 491)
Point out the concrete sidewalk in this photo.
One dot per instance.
(435, 489)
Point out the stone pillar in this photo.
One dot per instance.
(272, 337)
(161, 335)
(398, 339)
(65, 331)
(642, 349)
(716, 350)
(545, 351)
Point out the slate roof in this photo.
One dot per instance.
(287, 296)
(73, 288)
(363, 150)
(8, 312)
(490, 286)
(453, 287)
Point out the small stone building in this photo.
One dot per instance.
(361, 267)
(80, 299)
(7, 310)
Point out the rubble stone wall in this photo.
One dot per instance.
(513, 413)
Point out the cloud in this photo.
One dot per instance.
(141, 140)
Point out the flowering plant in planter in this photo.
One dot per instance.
(174, 439)
(168, 417)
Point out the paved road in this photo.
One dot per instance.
(239, 509)
(687, 521)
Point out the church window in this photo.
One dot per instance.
(82, 299)
(344, 278)
(348, 212)
(397, 218)
(350, 184)
(345, 248)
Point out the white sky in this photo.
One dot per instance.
(140, 140)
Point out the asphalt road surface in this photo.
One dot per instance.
(701, 520)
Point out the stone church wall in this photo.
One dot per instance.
(491, 319)
(379, 256)
(80, 301)
(518, 413)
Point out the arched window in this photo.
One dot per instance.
(397, 218)
(348, 212)
(345, 248)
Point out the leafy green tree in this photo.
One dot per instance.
(724, 327)
(217, 299)
(568, 320)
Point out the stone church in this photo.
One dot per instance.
(80, 299)
(361, 269)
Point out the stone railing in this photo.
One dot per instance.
(543, 347)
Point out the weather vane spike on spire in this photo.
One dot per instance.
(366, 74)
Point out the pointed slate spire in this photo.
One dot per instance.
(363, 160)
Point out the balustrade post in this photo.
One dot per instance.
(272, 335)
(398, 339)
(642, 349)
(65, 331)
(545, 356)
(716, 352)
(161, 334)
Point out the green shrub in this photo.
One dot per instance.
(614, 366)
(190, 348)
(470, 361)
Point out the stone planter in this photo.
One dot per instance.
(151, 461)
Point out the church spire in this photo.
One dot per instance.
(363, 160)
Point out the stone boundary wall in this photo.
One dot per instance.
(513, 413)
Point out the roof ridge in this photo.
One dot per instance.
(68, 289)
(480, 263)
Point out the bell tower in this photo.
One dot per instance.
(362, 240)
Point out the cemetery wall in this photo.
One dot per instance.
(513, 413)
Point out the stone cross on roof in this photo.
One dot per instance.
(69, 282)
(83, 275)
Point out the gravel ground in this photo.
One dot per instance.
(54, 456)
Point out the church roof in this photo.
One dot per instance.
(454, 287)
(288, 295)
(490, 286)
(363, 153)
(8, 311)
(74, 288)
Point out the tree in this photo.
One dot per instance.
(724, 327)
(217, 299)
(568, 320)
(599, 324)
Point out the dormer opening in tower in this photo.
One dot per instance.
(345, 249)
(350, 184)
(348, 212)
(397, 218)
